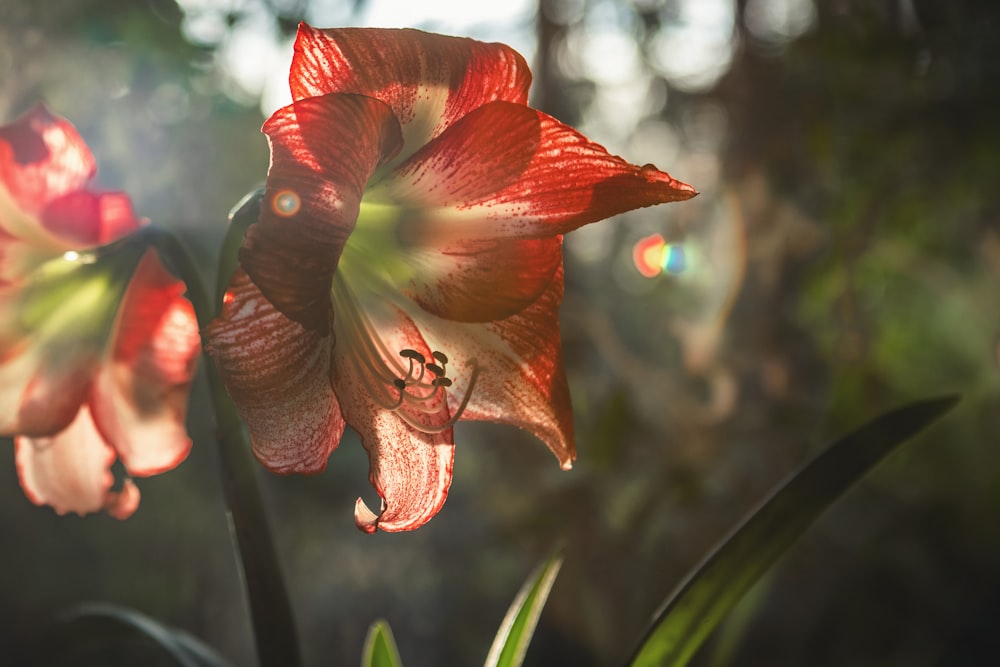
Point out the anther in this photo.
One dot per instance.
(440, 357)
(441, 382)
(400, 384)
(413, 354)
(434, 368)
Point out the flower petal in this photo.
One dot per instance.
(520, 379)
(139, 401)
(409, 468)
(323, 150)
(84, 219)
(42, 157)
(481, 281)
(71, 471)
(278, 374)
(506, 170)
(430, 81)
(44, 208)
(55, 328)
(44, 378)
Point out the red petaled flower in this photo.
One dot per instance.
(406, 269)
(97, 348)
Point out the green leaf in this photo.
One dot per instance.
(380, 648)
(110, 635)
(713, 588)
(244, 214)
(514, 635)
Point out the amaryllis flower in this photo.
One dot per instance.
(406, 268)
(97, 345)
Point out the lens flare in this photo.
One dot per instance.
(652, 256)
(286, 203)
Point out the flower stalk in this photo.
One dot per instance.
(267, 598)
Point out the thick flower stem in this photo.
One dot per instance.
(270, 609)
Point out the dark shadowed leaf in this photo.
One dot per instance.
(713, 588)
(244, 214)
(518, 626)
(109, 635)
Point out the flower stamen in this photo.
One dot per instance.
(416, 386)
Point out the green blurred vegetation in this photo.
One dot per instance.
(848, 227)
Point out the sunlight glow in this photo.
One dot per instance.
(695, 51)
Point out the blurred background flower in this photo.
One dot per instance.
(844, 257)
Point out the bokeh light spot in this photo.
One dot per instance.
(652, 256)
(286, 203)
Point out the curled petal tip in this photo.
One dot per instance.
(366, 520)
(123, 504)
(567, 464)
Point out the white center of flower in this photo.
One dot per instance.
(370, 276)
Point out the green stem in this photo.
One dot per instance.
(270, 609)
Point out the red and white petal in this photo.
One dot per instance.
(140, 396)
(517, 367)
(42, 158)
(508, 171)
(482, 281)
(323, 150)
(278, 374)
(71, 471)
(410, 468)
(430, 81)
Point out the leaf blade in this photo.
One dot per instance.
(518, 625)
(380, 647)
(97, 627)
(694, 609)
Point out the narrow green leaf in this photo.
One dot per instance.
(380, 648)
(518, 626)
(711, 590)
(110, 635)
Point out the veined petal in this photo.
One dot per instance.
(482, 281)
(521, 380)
(323, 150)
(410, 467)
(139, 401)
(278, 374)
(430, 81)
(71, 471)
(410, 470)
(509, 171)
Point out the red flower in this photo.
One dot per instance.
(97, 346)
(406, 269)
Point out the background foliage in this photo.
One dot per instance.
(844, 258)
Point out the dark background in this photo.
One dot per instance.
(844, 259)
